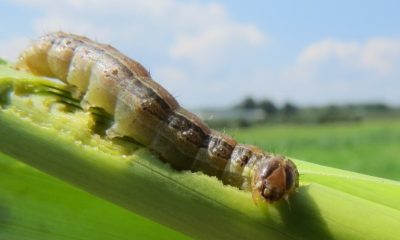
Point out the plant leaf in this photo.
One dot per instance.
(34, 205)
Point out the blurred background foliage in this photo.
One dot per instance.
(362, 137)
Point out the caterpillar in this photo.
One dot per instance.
(101, 77)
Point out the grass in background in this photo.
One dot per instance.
(370, 147)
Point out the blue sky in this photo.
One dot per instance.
(214, 53)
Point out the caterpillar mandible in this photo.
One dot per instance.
(102, 77)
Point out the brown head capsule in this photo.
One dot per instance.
(274, 179)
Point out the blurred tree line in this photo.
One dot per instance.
(292, 113)
(268, 107)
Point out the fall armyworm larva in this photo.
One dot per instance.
(100, 76)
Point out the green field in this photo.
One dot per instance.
(370, 147)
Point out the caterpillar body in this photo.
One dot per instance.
(102, 77)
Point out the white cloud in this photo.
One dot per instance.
(380, 55)
(340, 71)
(213, 44)
(328, 49)
(204, 23)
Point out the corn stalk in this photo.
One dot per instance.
(40, 126)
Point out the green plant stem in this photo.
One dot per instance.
(325, 207)
(34, 205)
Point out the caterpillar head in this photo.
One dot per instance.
(274, 179)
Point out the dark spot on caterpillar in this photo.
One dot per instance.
(187, 130)
(244, 160)
(220, 148)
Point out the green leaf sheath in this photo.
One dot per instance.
(38, 129)
(34, 205)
